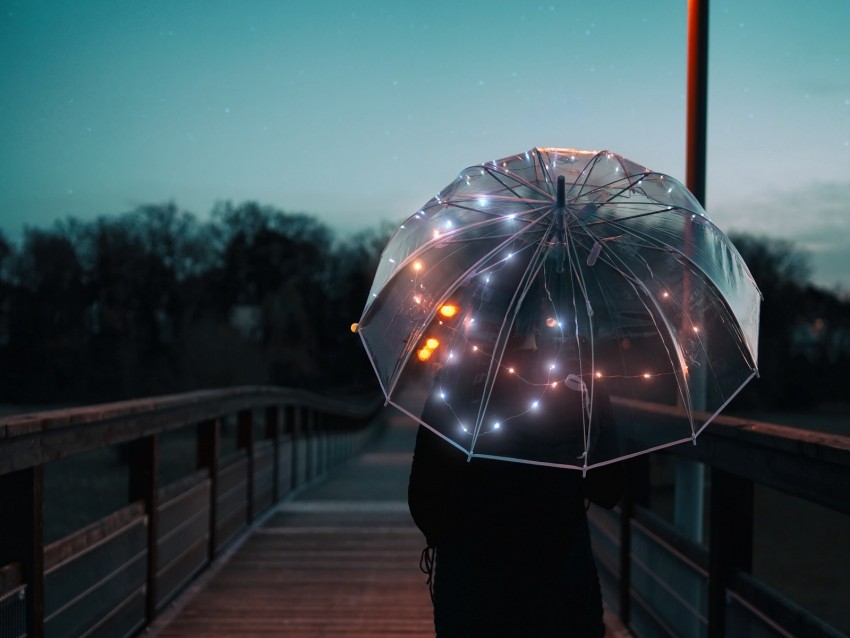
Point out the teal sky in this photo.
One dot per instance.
(358, 112)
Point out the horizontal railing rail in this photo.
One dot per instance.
(248, 447)
(662, 582)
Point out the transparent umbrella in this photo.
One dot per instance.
(534, 291)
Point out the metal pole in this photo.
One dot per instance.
(690, 475)
(688, 514)
(697, 106)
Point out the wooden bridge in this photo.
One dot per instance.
(339, 557)
(266, 511)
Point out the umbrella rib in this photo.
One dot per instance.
(494, 172)
(586, 419)
(408, 351)
(658, 244)
(626, 176)
(496, 216)
(639, 287)
(501, 342)
(585, 172)
(664, 209)
(547, 175)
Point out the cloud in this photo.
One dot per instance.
(815, 217)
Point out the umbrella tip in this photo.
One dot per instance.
(562, 192)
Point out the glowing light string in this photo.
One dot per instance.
(643, 294)
(417, 333)
(502, 339)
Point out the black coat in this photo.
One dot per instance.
(512, 547)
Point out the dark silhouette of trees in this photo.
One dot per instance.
(45, 305)
(804, 334)
(5, 292)
(155, 301)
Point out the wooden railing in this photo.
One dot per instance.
(661, 582)
(250, 447)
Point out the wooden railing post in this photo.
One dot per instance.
(209, 447)
(22, 500)
(321, 444)
(730, 542)
(144, 486)
(152, 561)
(309, 429)
(636, 492)
(625, 585)
(245, 441)
(272, 433)
(296, 427)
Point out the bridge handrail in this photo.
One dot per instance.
(114, 575)
(31, 439)
(738, 454)
(802, 462)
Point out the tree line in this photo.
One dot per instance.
(156, 301)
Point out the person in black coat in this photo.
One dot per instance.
(509, 541)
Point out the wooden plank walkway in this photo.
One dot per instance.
(340, 559)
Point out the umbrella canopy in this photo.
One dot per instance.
(506, 312)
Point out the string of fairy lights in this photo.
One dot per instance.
(460, 341)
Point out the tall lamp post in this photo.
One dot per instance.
(697, 105)
(688, 508)
(689, 494)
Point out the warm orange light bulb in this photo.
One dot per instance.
(448, 310)
(432, 344)
(424, 354)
